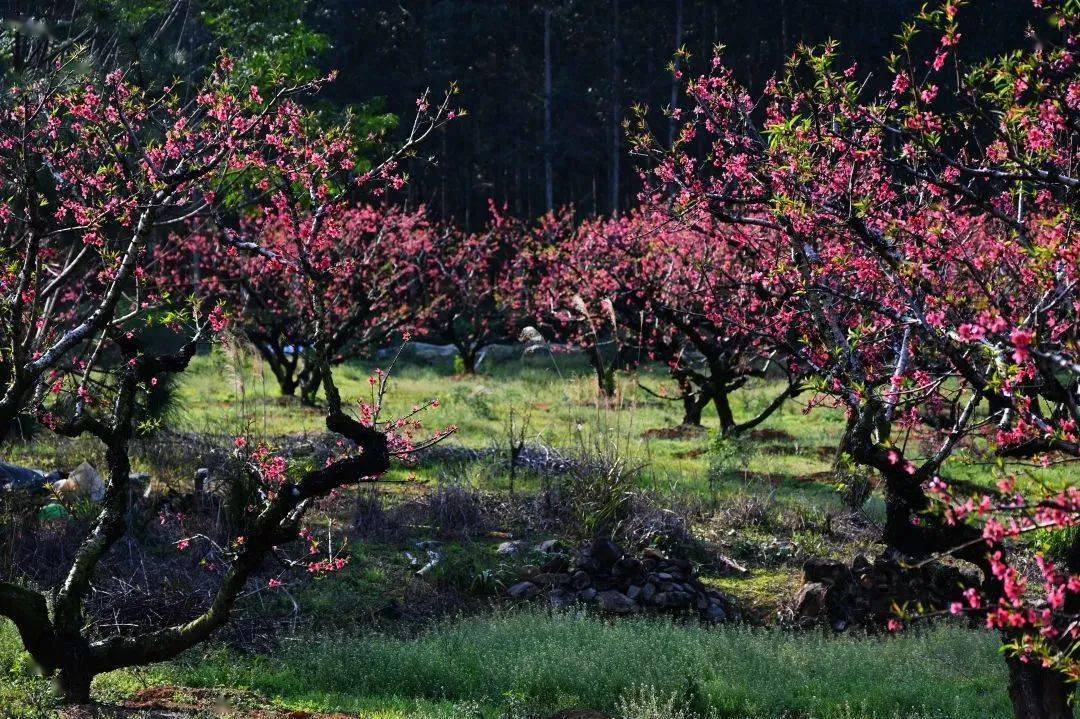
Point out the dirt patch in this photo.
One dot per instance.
(771, 435)
(690, 453)
(170, 702)
(683, 431)
(826, 477)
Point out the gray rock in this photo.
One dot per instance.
(549, 579)
(633, 591)
(604, 551)
(587, 595)
(556, 564)
(825, 571)
(581, 579)
(616, 602)
(523, 590)
(714, 613)
(16, 478)
(673, 600)
(510, 549)
(550, 546)
(810, 601)
(648, 592)
(560, 599)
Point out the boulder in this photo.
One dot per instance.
(83, 482)
(523, 590)
(558, 563)
(810, 600)
(550, 546)
(580, 579)
(551, 579)
(615, 602)
(714, 613)
(511, 549)
(603, 552)
(828, 571)
(14, 478)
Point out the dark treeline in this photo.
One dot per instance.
(546, 83)
(601, 56)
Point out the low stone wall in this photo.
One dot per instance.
(602, 575)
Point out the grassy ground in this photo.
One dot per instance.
(530, 664)
(521, 665)
(789, 455)
(788, 458)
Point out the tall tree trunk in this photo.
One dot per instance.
(693, 401)
(691, 410)
(468, 358)
(1037, 692)
(73, 679)
(616, 110)
(672, 125)
(309, 389)
(549, 188)
(723, 408)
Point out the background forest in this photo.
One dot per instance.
(547, 85)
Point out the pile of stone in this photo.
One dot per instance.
(865, 593)
(600, 574)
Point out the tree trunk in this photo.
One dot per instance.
(691, 410)
(1037, 692)
(468, 360)
(309, 389)
(282, 366)
(693, 401)
(287, 385)
(72, 682)
(723, 409)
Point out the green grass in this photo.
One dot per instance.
(232, 394)
(543, 663)
(547, 663)
(492, 666)
(23, 695)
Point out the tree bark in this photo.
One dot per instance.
(693, 402)
(284, 366)
(73, 679)
(723, 408)
(468, 357)
(1037, 692)
(309, 389)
